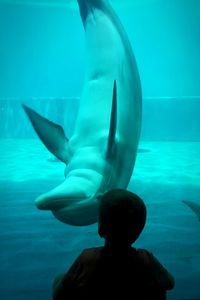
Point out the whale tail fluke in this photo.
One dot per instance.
(51, 134)
(194, 207)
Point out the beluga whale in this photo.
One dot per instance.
(100, 155)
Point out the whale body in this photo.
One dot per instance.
(101, 153)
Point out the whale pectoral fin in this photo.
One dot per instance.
(51, 134)
(113, 123)
(194, 207)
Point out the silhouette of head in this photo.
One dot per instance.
(122, 216)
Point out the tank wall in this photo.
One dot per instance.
(164, 119)
(171, 119)
(14, 123)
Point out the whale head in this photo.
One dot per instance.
(75, 201)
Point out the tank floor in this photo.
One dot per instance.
(35, 247)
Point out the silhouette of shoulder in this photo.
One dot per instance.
(159, 275)
(98, 266)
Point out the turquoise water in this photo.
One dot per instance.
(42, 64)
(43, 54)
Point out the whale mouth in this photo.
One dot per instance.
(55, 203)
(76, 211)
(79, 213)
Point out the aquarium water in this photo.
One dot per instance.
(42, 64)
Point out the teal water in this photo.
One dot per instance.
(43, 54)
(35, 247)
(42, 64)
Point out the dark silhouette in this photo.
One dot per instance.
(117, 270)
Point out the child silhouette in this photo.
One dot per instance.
(116, 270)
